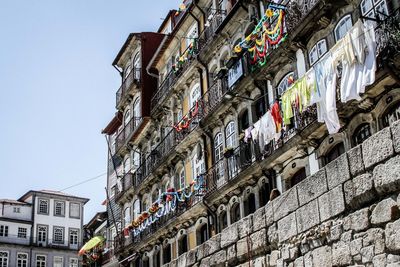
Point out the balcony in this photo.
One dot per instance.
(215, 19)
(123, 93)
(161, 223)
(126, 134)
(127, 182)
(226, 171)
(166, 85)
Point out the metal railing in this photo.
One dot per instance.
(216, 17)
(126, 133)
(134, 77)
(172, 76)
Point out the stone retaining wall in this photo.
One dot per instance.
(345, 214)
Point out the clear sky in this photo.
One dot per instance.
(58, 89)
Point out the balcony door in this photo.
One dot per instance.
(137, 64)
(137, 111)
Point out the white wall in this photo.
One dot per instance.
(7, 211)
(13, 232)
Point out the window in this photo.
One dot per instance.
(264, 192)
(43, 206)
(235, 213)
(335, 152)
(299, 176)
(195, 95)
(22, 232)
(73, 236)
(3, 231)
(182, 245)
(127, 70)
(58, 261)
(374, 8)
(74, 210)
(223, 221)
(136, 160)
(40, 261)
(260, 107)
(182, 181)
(157, 259)
(136, 209)
(391, 116)
(317, 51)
(250, 204)
(191, 36)
(127, 216)
(203, 234)
(42, 233)
(3, 259)
(219, 152)
(285, 83)
(59, 208)
(244, 121)
(343, 26)
(167, 254)
(361, 134)
(127, 117)
(137, 112)
(22, 260)
(58, 235)
(17, 210)
(230, 135)
(127, 165)
(73, 262)
(137, 64)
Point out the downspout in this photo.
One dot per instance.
(207, 76)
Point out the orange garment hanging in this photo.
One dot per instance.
(276, 114)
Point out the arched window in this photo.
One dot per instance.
(374, 8)
(182, 181)
(137, 64)
(195, 95)
(136, 159)
(136, 209)
(127, 216)
(128, 70)
(127, 165)
(260, 108)
(263, 194)
(137, 112)
(250, 204)
(392, 115)
(342, 27)
(157, 259)
(299, 176)
(361, 134)
(223, 220)
(127, 117)
(182, 245)
(317, 51)
(219, 153)
(235, 213)
(230, 135)
(145, 204)
(191, 35)
(334, 153)
(154, 196)
(285, 83)
(146, 262)
(166, 253)
(202, 234)
(244, 121)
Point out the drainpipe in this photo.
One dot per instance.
(207, 74)
(201, 10)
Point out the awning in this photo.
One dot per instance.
(95, 241)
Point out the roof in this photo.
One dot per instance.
(12, 201)
(113, 125)
(169, 15)
(123, 48)
(97, 220)
(51, 192)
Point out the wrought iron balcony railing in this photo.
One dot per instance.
(129, 129)
(177, 71)
(227, 169)
(134, 77)
(215, 19)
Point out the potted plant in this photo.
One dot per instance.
(228, 152)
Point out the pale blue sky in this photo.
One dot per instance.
(58, 89)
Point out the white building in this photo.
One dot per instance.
(42, 228)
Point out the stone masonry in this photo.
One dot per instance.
(346, 214)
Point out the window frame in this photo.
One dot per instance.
(375, 4)
(359, 130)
(56, 241)
(79, 210)
(4, 229)
(70, 237)
(21, 233)
(39, 236)
(63, 208)
(316, 47)
(39, 206)
(43, 262)
(58, 257)
(284, 79)
(73, 264)
(6, 257)
(340, 24)
(24, 262)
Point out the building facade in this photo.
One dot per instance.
(247, 100)
(42, 228)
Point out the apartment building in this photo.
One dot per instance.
(41, 228)
(228, 123)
